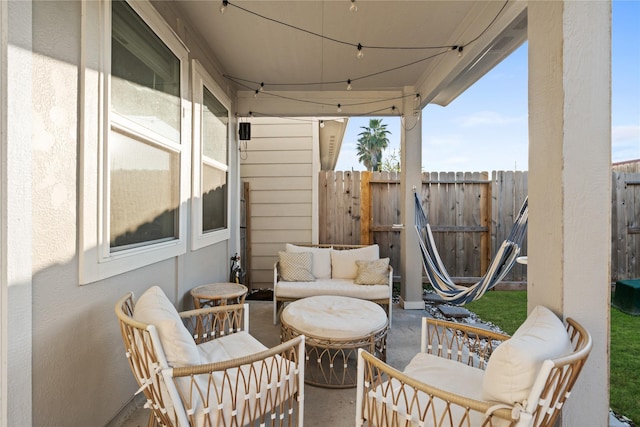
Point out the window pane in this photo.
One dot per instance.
(145, 75)
(214, 199)
(144, 192)
(215, 122)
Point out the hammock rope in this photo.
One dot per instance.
(499, 267)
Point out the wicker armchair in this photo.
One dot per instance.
(254, 385)
(450, 392)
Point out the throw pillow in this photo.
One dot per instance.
(514, 365)
(343, 262)
(154, 308)
(296, 267)
(372, 272)
(321, 265)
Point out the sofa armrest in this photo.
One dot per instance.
(209, 323)
(463, 343)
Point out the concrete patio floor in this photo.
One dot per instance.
(323, 406)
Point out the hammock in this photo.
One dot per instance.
(500, 265)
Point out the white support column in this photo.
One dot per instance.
(410, 177)
(15, 212)
(569, 182)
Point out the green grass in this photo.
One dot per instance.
(508, 309)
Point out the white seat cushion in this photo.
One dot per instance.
(438, 372)
(340, 287)
(514, 365)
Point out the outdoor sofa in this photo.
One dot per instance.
(342, 270)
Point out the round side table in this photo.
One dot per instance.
(214, 294)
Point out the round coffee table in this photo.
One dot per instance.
(335, 328)
(215, 294)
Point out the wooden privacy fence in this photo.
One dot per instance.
(470, 214)
(625, 226)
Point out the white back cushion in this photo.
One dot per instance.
(154, 308)
(343, 262)
(514, 365)
(321, 266)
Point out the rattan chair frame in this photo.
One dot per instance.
(390, 393)
(175, 395)
(332, 362)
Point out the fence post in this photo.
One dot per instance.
(365, 208)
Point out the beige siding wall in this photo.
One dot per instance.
(278, 164)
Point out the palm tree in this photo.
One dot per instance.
(371, 143)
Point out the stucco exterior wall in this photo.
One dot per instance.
(80, 374)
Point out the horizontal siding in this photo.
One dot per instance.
(266, 249)
(276, 158)
(281, 236)
(277, 163)
(283, 183)
(258, 145)
(301, 129)
(280, 209)
(280, 223)
(279, 170)
(294, 196)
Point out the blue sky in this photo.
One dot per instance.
(485, 128)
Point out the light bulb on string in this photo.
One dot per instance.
(223, 6)
(353, 7)
(339, 108)
(262, 87)
(393, 109)
(349, 87)
(460, 51)
(255, 95)
(360, 52)
(417, 100)
(321, 123)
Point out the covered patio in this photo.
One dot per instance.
(299, 59)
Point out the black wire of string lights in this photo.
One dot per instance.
(358, 46)
(340, 105)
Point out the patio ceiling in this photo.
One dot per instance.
(254, 42)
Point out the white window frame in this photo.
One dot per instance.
(96, 260)
(200, 79)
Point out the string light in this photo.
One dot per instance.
(417, 100)
(255, 95)
(360, 52)
(353, 7)
(339, 108)
(308, 101)
(262, 87)
(349, 87)
(460, 51)
(224, 5)
(321, 124)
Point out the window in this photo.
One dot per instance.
(210, 210)
(139, 162)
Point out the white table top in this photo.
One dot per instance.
(334, 317)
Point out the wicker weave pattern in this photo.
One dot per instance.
(265, 388)
(387, 397)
